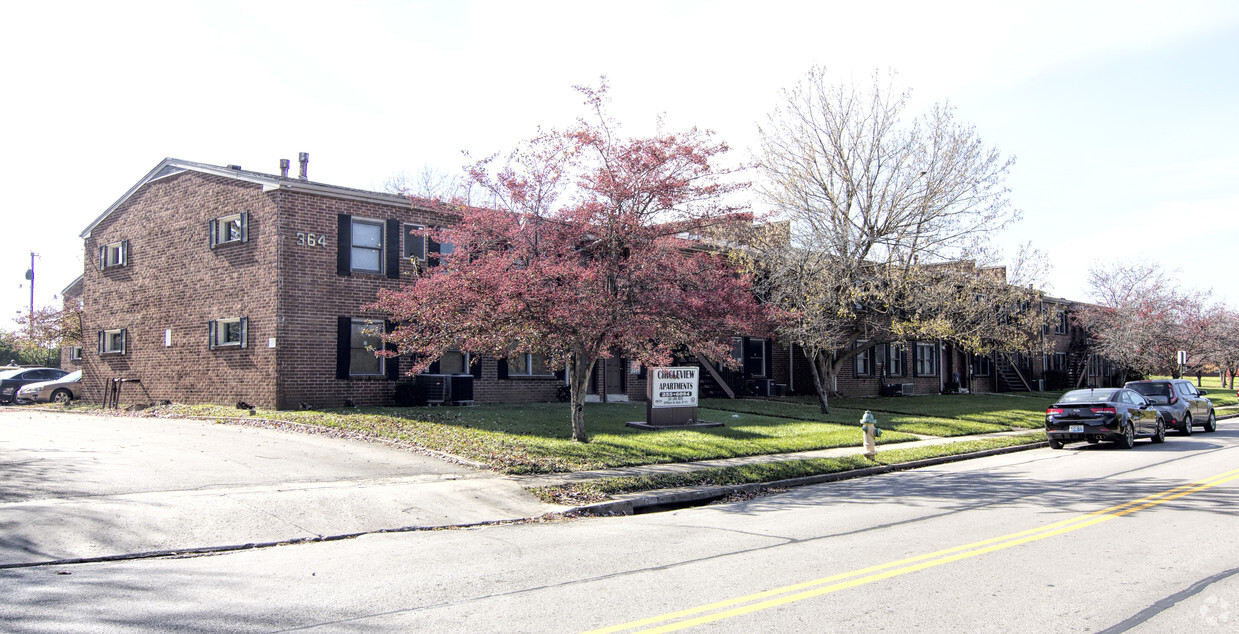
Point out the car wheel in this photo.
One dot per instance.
(1211, 424)
(1056, 444)
(1186, 429)
(62, 396)
(1128, 439)
(1159, 436)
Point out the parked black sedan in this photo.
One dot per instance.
(11, 380)
(1117, 414)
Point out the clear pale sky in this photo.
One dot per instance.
(1122, 115)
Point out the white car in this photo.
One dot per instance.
(63, 390)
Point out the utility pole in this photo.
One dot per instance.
(30, 315)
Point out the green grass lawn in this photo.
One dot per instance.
(588, 492)
(943, 415)
(535, 437)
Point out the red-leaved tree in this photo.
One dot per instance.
(598, 247)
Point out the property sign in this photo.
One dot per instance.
(673, 387)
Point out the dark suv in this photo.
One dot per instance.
(1182, 405)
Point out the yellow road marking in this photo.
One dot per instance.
(834, 583)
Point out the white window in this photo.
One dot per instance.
(364, 341)
(75, 353)
(1060, 323)
(234, 228)
(926, 359)
(112, 341)
(894, 359)
(862, 363)
(414, 245)
(115, 254)
(527, 364)
(228, 333)
(367, 247)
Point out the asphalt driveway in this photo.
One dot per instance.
(84, 486)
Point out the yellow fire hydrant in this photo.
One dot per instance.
(869, 425)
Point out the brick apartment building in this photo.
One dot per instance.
(210, 284)
(217, 284)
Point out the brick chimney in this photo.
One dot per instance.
(304, 160)
(284, 168)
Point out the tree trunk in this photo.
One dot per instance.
(821, 388)
(578, 383)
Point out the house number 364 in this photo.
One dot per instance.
(311, 239)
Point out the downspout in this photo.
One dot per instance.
(941, 366)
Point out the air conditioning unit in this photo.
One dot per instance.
(907, 389)
(460, 390)
(431, 389)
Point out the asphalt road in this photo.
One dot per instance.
(1088, 539)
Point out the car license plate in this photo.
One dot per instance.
(1076, 429)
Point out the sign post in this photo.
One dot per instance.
(671, 399)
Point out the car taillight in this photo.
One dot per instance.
(1053, 411)
(1102, 410)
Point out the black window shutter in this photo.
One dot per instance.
(432, 248)
(103, 257)
(501, 369)
(124, 252)
(245, 226)
(344, 256)
(211, 335)
(245, 332)
(344, 333)
(475, 368)
(101, 337)
(124, 337)
(916, 355)
(391, 364)
(393, 248)
(769, 347)
(855, 360)
(211, 231)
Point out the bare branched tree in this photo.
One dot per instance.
(879, 208)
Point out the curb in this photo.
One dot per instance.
(688, 496)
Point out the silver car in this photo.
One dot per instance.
(63, 390)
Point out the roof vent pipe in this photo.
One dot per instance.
(284, 168)
(304, 160)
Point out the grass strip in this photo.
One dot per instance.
(601, 490)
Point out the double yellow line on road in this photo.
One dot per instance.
(817, 587)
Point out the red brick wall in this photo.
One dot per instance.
(174, 281)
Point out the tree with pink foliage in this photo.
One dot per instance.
(598, 246)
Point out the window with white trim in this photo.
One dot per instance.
(227, 333)
(926, 363)
(862, 363)
(527, 364)
(894, 359)
(112, 341)
(229, 229)
(75, 353)
(364, 341)
(367, 246)
(114, 254)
